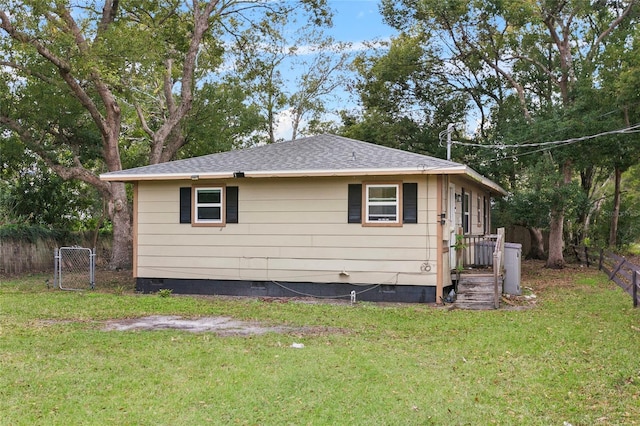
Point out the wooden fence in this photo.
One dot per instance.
(618, 268)
(21, 257)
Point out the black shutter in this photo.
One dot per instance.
(185, 205)
(410, 203)
(355, 203)
(231, 204)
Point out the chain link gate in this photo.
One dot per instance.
(75, 268)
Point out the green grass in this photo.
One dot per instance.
(574, 357)
(634, 249)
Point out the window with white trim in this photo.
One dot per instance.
(208, 205)
(382, 204)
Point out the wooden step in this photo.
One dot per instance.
(476, 291)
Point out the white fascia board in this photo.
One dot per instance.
(468, 171)
(122, 177)
(163, 176)
(460, 169)
(346, 172)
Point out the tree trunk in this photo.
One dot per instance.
(122, 249)
(271, 127)
(586, 183)
(295, 122)
(556, 227)
(556, 240)
(613, 231)
(537, 244)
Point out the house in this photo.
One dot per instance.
(323, 216)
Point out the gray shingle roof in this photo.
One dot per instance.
(316, 155)
(324, 152)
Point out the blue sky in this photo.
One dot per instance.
(358, 20)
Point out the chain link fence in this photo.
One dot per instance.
(75, 268)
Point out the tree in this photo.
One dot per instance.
(540, 51)
(317, 62)
(77, 72)
(260, 69)
(532, 197)
(221, 109)
(620, 79)
(37, 196)
(405, 96)
(319, 78)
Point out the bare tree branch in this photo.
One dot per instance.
(626, 12)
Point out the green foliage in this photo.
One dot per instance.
(629, 219)
(533, 73)
(30, 193)
(536, 193)
(222, 119)
(99, 87)
(406, 98)
(33, 233)
(165, 292)
(295, 68)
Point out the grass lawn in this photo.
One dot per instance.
(572, 356)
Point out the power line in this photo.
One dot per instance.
(631, 129)
(511, 157)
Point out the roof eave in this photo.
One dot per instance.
(468, 171)
(133, 177)
(461, 170)
(281, 173)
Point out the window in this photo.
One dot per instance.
(208, 205)
(213, 206)
(382, 204)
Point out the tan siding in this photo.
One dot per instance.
(476, 227)
(286, 264)
(302, 252)
(290, 230)
(329, 230)
(279, 241)
(226, 240)
(315, 205)
(294, 217)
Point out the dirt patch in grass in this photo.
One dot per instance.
(220, 325)
(223, 326)
(539, 279)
